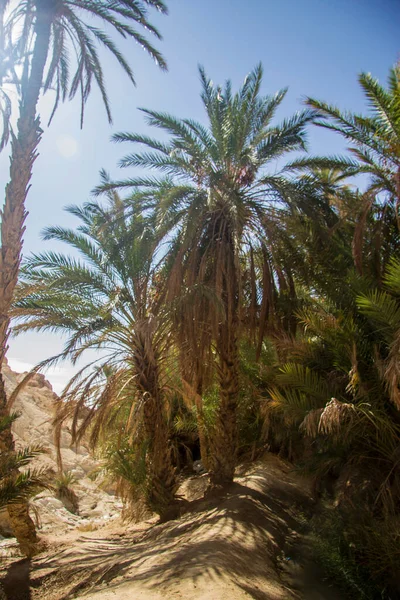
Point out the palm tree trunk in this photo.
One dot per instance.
(202, 430)
(23, 154)
(161, 478)
(224, 441)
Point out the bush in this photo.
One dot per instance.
(361, 556)
(65, 493)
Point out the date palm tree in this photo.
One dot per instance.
(374, 142)
(339, 387)
(219, 202)
(112, 301)
(8, 61)
(374, 139)
(59, 42)
(17, 487)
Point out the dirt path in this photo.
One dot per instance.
(245, 545)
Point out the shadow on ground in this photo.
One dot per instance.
(235, 543)
(16, 583)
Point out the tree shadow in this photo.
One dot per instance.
(16, 583)
(239, 537)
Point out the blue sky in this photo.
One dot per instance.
(315, 47)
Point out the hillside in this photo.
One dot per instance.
(36, 405)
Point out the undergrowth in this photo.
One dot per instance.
(65, 493)
(359, 557)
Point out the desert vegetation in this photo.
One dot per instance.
(233, 307)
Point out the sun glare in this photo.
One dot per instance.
(67, 146)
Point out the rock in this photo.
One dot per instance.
(198, 467)
(39, 381)
(194, 488)
(36, 404)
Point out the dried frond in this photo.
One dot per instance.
(392, 371)
(310, 423)
(335, 416)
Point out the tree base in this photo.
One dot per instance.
(174, 511)
(24, 530)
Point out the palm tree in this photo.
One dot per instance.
(53, 35)
(339, 389)
(374, 143)
(382, 307)
(374, 139)
(218, 202)
(16, 487)
(111, 301)
(8, 61)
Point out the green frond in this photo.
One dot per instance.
(375, 139)
(17, 489)
(382, 309)
(305, 380)
(142, 139)
(6, 421)
(17, 460)
(75, 42)
(392, 276)
(291, 405)
(343, 163)
(383, 106)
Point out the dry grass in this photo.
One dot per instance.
(88, 527)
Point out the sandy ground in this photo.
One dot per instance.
(248, 543)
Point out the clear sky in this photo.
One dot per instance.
(315, 47)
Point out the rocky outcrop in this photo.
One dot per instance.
(36, 406)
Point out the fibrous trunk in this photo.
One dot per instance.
(161, 479)
(23, 154)
(202, 429)
(225, 435)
